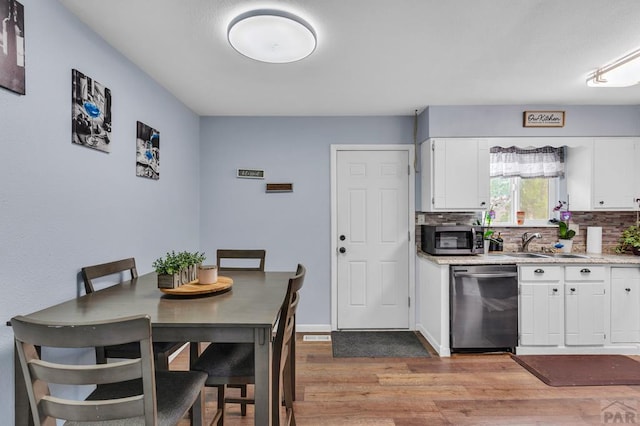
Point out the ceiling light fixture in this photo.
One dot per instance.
(272, 36)
(621, 73)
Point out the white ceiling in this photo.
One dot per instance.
(377, 57)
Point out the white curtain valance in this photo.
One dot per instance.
(546, 161)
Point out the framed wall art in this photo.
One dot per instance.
(543, 119)
(147, 151)
(12, 73)
(90, 112)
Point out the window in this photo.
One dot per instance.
(525, 179)
(536, 197)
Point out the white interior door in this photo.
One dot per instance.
(372, 239)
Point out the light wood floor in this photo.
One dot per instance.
(461, 390)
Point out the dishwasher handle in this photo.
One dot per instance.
(486, 274)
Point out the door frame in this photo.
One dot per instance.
(410, 149)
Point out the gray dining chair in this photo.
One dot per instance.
(127, 392)
(239, 260)
(225, 258)
(233, 363)
(161, 350)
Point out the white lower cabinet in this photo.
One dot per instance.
(579, 309)
(541, 301)
(625, 305)
(584, 303)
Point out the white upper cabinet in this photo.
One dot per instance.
(616, 174)
(455, 174)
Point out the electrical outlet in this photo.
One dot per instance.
(420, 219)
(575, 227)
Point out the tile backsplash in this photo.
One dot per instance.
(612, 223)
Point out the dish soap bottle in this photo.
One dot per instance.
(499, 243)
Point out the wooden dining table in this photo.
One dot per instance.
(246, 313)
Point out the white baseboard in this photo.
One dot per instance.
(313, 328)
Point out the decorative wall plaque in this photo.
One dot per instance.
(543, 119)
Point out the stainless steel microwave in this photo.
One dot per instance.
(455, 239)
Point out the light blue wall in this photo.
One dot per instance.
(496, 121)
(63, 206)
(292, 227)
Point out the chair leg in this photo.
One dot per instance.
(243, 394)
(162, 362)
(221, 403)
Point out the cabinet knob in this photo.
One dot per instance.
(628, 290)
(342, 250)
(483, 203)
(585, 271)
(555, 290)
(601, 203)
(539, 271)
(572, 289)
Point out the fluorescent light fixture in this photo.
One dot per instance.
(272, 36)
(621, 73)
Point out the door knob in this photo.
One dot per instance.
(342, 250)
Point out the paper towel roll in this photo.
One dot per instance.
(594, 239)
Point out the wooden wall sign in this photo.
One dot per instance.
(279, 187)
(543, 119)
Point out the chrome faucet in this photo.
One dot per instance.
(526, 239)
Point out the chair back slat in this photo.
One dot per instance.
(93, 411)
(90, 273)
(234, 254)
(119, 371)
(39, 374)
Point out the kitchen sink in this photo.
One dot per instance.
(570, 256)
(526, 255)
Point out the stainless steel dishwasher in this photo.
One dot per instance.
(484, 308)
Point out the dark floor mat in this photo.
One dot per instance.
(582, 370)
(371, 344)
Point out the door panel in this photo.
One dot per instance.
(372, 214)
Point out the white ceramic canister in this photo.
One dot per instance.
(207, 274)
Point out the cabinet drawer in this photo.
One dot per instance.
(540, 273)
(584, 273)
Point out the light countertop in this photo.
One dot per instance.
(503, 258)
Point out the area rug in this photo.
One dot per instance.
(373, 344)
(582, 370)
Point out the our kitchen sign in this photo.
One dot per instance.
(543, 119)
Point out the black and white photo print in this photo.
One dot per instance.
(91, 112)
(147, 152)
(12, 46)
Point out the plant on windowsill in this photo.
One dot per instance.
(629, 240)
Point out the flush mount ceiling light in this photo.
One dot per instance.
(272, 36)
(621, 73)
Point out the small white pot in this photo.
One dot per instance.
(568, 245)
(207, 274)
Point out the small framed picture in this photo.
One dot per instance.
(12, 75)
(250, 174)
(147, 151)
(543, 119)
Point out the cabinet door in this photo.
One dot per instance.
(625, 305)
(459, 178)
(584, 313)
(615, 173)
(540, 314)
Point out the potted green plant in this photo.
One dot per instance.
(629, 240)
(565, 236)
(168, 270)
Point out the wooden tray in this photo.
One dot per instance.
(195, 288)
